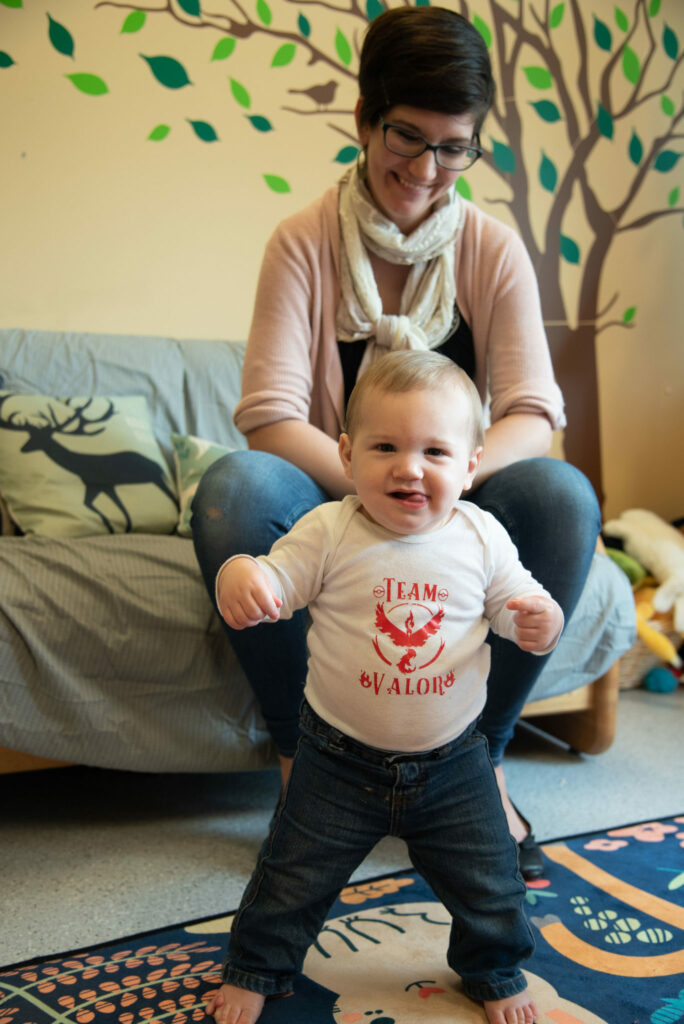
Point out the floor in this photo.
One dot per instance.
(88, 856)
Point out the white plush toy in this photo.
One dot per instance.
(659, 547)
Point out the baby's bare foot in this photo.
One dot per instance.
(233, 1005)
(518, 1009)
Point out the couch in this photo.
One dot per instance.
(111, 653)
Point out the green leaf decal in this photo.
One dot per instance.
(347, 155)
(12, 3)
(284, 55)
(159, 133)
(539, 77)
(503, 157)
(304, 26)
(204, 131)
(374, 8)
(621, 20)
(61, 38)
(344, 50)
(629, 315)
(653, 9)
(264, 12)
(190, 7)
(5, 60)
(463, 188)
(673, 197)
(631, 65)
(240, 94)
(602, 34)
(604, 122)
(134, 22)
(262, 124)
(224, 48)
(569, 249)
(484, 30)
(548, 175)
(547, 110)
(667, 105)
(636, 149)
(670, 43)
(92, 85)
(556, 15)
(168, 71)
(666, 160)
(276, 184)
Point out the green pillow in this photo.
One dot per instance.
(71, 467)
(192, 457)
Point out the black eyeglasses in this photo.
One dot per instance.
(403, 142)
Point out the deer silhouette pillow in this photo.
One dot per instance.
(70, 467)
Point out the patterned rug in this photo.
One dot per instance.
(608, 917)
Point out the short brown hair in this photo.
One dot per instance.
(416, 370)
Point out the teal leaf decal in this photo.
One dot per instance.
(92, 85)
(168, 71)
(240, 94)
(666, 160)
(264, 12)
(631, 65)
(629, 315)
(61, 38)
(556, 15)
(503, 157)
(653, 8)
(284, 55)
(602, 34)
(5, 60)
(190, 7)
(204, 131)
(262, 124)
(422, 3)
(604, 121)
(276, 183)
(224, 48)
(621, 20)
(374, 8)
(344, 50)
(463, 188)
(667, 105)
(304, 26)
(134, 22)
(569, 249)
(547, 110)
(347, 155)
(548, 175)
(673, 197)
(636, 149)
(670, 43)
(540, 78)
(159, 132)
(484, 30)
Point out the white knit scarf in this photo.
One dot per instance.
(426, 311)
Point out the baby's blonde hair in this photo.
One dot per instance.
(414, 370)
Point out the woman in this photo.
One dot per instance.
(389, 258)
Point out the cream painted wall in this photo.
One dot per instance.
(104, 230)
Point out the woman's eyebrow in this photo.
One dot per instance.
(457, 140)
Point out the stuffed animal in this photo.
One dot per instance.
(660, 548)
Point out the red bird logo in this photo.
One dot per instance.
(408, 637)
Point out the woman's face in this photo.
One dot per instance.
(406, 188)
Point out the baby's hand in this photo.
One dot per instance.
(538, 622)
(244, 594)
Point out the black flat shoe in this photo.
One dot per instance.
(530, 857)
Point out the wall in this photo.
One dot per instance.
(108, 229)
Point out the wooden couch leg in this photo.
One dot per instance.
(15, 761)
(592, 729)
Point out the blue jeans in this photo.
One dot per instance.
(342, 798)
(248, 499)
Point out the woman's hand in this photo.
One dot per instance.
(306, 447)
(244, 595)
(515, 437)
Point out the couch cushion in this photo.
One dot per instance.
(192, 457)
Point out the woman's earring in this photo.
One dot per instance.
(362, 163)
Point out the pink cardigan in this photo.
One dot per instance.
(292, 368)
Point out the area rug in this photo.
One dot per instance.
(608, 918)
